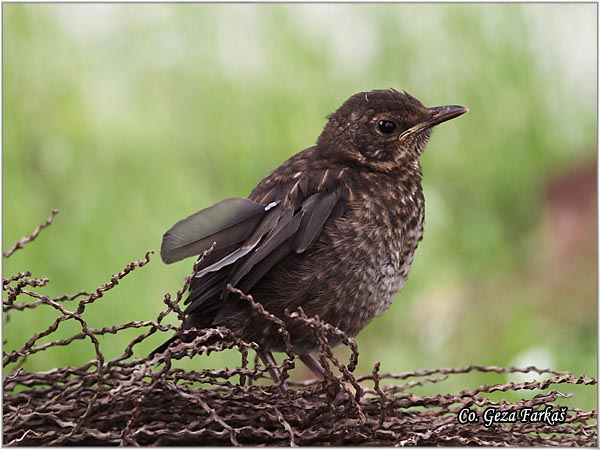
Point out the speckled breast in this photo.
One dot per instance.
(382, 233)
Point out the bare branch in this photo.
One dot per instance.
(27, 239)
(134, 400)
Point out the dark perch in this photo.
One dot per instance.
(129, 401)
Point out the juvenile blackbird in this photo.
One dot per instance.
(332, 230)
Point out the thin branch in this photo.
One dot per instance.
(27, 239)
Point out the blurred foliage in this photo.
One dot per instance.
(129, 117)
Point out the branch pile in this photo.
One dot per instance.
(138, 401)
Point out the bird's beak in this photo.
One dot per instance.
(438, 114)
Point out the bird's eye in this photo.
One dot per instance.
(386, 126)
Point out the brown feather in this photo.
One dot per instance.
(227, 222)
(316, 210)
(286, 227)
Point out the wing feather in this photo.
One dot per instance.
(261, 269)
(286, 227)
(253, 241)
(234, 252)
(316, 210)
(228, 222)
(200, 286)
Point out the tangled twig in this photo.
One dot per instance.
(30, 238)
(134, 400)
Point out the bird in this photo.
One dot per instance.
(332, 230)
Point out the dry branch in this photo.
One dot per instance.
(137, 401)
(30, 238)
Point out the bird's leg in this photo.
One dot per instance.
(316, 368)
(267, 358)
(314, 365)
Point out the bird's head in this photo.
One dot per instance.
(382, 129)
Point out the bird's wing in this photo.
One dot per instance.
(229, 222)
(297, 230)
(269, 236)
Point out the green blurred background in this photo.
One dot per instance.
(128, 117)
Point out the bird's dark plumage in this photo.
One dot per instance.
(332, 230)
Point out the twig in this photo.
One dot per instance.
(27, 239)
